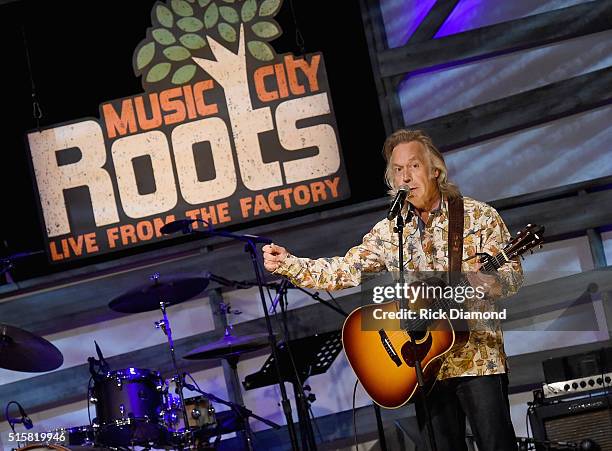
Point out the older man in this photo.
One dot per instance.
(472, 381)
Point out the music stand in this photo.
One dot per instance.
(312, 355)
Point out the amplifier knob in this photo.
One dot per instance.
(566, 387)
(582, 384)
(608, 380)
(574, 385)
(591, 382)
(599, 380)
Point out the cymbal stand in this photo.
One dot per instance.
(164, 325)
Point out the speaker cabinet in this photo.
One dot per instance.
(575, 420)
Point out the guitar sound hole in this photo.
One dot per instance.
(418, 335)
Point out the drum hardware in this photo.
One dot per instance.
(242, 411)
(251, 241)
(162, 293)
(230, 348)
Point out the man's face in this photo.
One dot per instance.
(410, 166)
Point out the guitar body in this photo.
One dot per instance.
(387, 372)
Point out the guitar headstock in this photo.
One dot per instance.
(525, 240)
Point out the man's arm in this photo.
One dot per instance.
(333, 273)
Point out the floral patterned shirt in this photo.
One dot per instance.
(425, 250)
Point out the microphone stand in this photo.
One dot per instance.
(306, 430)
(314, 296)
(399, 229)
(251, 247)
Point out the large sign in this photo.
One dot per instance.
(226, 131)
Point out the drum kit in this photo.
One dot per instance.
(135, 406)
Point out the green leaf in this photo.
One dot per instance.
(145, 55)
(158, 72)
(191, 1)
(269, 7)
(184, 74)
(163, 36)
(164, 16)
(211, 16)
(190, 24)
(249, 9)
(228, 1)
(227, 32)
(192, 41)
(229, 14)
(177, 53)
(266, 30)
(261, 50)
(182, 8)
(203, 3)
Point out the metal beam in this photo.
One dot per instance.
(506, 37)
(375, 37)
(559, 293)
(569, 190)
(563, 216)
(433, 21)
(520, 111)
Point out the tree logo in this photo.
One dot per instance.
(182, 29)
(226, 131)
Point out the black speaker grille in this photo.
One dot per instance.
(595, 425)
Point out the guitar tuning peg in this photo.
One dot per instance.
(523, 257)
(531, 251)
(541, 246)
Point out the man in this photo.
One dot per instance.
(472, 381)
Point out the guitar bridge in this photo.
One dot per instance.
(384, 339)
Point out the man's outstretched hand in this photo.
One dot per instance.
(273, 256)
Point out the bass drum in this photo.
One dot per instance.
(129, 404)
(76, 436)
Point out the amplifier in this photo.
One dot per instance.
(575, 420)
(576, 366)
(574, 387)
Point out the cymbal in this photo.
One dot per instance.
(21, 350)
(167, 289)
(229, 346)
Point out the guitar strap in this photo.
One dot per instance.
(455, 239)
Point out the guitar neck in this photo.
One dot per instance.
(490, 264)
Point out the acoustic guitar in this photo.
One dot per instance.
(383, 352)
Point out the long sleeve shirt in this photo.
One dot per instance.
(425, 249)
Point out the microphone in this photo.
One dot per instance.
(180, 225)
(398, 202)
(103, 363)
(25, 419)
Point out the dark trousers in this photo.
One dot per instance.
(483, 400)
